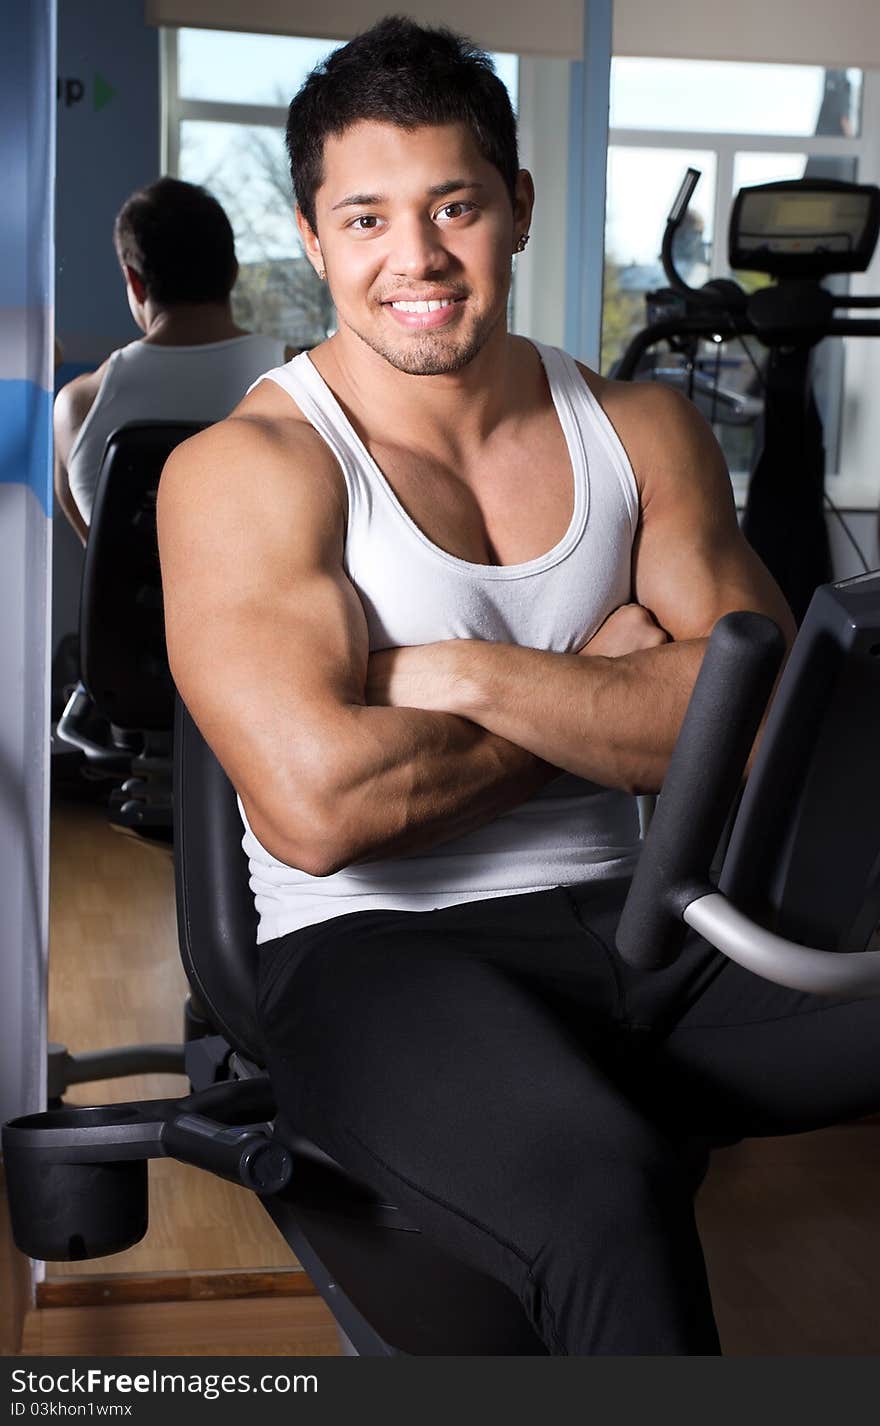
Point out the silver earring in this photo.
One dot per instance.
(521, 243)
(322, 274)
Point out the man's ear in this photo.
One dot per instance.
(136, 283)
(309, 237)
(524, 201)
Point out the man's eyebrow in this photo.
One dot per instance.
(359, 200)
(439, 190)
(454, 185)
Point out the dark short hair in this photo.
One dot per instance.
(398, 72)
(179, 240)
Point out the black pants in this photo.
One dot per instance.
(540, 1109)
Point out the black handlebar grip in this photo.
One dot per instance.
(681, 202)
(724, 713)
(247, 1156)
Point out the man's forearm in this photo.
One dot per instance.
(406, 779)
(452, 777)
(611, 720)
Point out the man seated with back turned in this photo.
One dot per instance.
(176, 249)
(460, 587)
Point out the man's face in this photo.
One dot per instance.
(406, 217)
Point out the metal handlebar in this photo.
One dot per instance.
(782, 961)
(671, 889)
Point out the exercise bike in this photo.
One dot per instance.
(798, 232)
(798, 901)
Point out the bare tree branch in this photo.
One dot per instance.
(277, 291)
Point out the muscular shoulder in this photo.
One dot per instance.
(261, 476)
(691, 563)
(665, 437)
(73, 404)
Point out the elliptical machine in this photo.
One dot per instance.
(798, 232)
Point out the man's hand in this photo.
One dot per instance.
(628, 629)
(424, 676)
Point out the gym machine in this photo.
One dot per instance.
(797, 232)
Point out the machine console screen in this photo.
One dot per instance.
(804, 228)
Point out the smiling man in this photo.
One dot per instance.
(459, 588)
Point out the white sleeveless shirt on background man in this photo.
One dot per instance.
(413, 592)
(148, 382)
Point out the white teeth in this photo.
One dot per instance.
(422, 306)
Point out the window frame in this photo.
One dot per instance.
(176, 109)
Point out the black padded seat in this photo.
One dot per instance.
(123, 659)
(392, 1290)
(121, 714)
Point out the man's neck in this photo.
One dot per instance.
(457, 410)
(190, 324)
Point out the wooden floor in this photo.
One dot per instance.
(791, 1233)
(212, 1274)
(115, 978)
(790, 1225)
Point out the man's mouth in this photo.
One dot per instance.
(431, 305)
(421, 312)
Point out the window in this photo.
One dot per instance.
(226, 98)
(733, 98)
(641, 185)
(738, 124)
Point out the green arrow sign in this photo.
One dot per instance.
(103, 92)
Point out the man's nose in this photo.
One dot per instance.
(418, 247)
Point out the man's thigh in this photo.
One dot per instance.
(463, 1062)
(750, 1057)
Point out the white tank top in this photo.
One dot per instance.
(413, 592)
(147, 382)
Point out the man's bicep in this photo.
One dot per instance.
(266, 638)
(691, 562)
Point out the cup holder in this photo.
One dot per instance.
(67, 1212)
(77, 1181)
(101, 1116)
(77, 1177)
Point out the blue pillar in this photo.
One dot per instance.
(27, 162)
(587, 162)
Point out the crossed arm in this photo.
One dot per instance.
(614, 717)
(340, 757)
(268, 645)
(613, 720)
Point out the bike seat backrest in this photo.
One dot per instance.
(124, 663)
(216, 917)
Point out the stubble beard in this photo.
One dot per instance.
(431, 353)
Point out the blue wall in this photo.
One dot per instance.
(27, 74)
(25, 257)
(108, 145)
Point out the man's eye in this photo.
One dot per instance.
(365, 223)
(454, 210)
